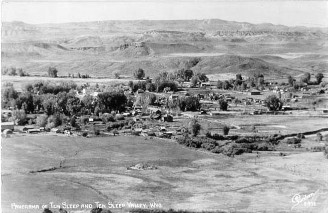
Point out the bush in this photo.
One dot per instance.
(106, 117)
(119, 117)
(41, 120)
(19, 117)
(234, 149)
(319, 136)
(208, 146)
(300, 136)
(84, 120)
(46, 210)
(167, 84)
(194, 127)
(244, 140)
(263, 147)
(50, 126)
(96, 210)
(293, 140)
(55, 119)
(84, 134)
(223, 105)
(216, 137)
(226, 130)
(139, 74)
(96, 132)
(189, 104)
(73, 121)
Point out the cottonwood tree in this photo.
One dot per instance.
(52, 72)
(319, 76)
(273, 103)
(139, 74)
(306, 78)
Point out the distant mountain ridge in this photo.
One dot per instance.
(209, 26)
(102, 48)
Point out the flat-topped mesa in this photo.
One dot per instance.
(256, 33)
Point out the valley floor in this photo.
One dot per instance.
(40, 169)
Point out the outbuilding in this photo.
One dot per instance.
(7, 125)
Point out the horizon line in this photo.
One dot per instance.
(108, 20)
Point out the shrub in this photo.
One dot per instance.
(73, 121)
(233, 149)
(84, 120)
(119, 117)
(300, 136)
(244, 140)
(41, 120)
(96, 210)
(223, 105)
(263, 147)
(208, 134)
(55, 119)
(217, 137)
(208, 146)
(84, 134)
(189, 104)
(96, 132)
(167, 84)
(217, 150)
(293, 140)
(50, 126)
(226, 130)
(106, 117)
(194, 127)
(319, 136)
(139, 74)
(19, 117)
(115, 132)
(46, 210)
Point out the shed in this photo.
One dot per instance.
(7, 132)
(167, 118)
(26, 128)
(255, 92)
(33, 131)
(7, 125)
(55, 130)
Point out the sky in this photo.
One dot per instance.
(290, 13)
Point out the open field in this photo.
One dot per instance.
(95, 170)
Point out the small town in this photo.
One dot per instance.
(164, 107)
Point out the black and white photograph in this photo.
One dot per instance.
(145, 106)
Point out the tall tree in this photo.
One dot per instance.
(52, 72)
(139, 74)
(319, 76)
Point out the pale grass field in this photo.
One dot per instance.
(95, 170)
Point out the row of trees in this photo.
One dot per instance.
(255, 81)
(182, 75)
(13, 71)
(63, 102)
(306, 78)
